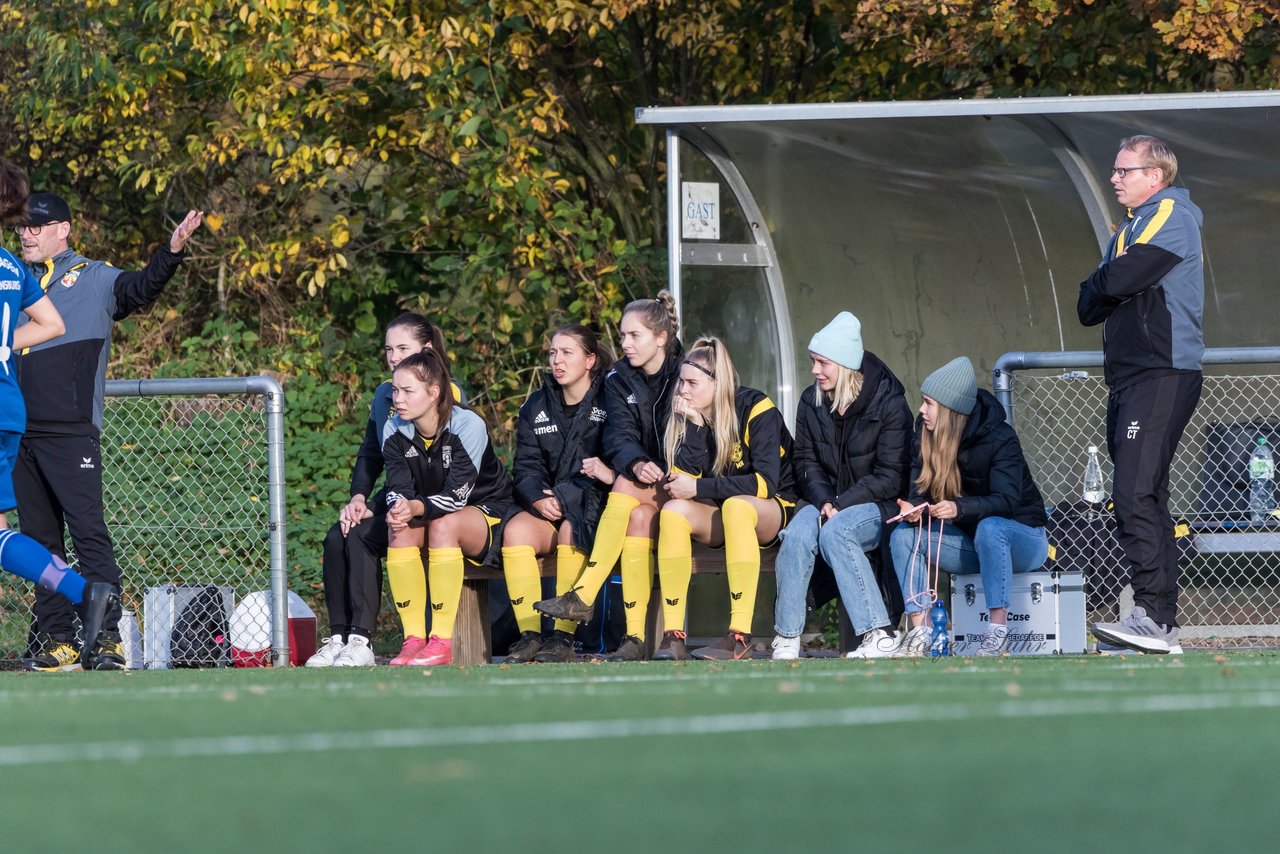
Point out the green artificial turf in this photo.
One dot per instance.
(1043, 754)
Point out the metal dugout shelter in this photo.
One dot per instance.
(948, 227)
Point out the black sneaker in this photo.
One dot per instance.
(672, 648)
(98, 599)
(557, 649)
(524, 649)
(52, 655)
(567, 607)
(108, 655)
(734, 646)
(631, 649)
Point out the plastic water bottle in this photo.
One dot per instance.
(1093, 492)
(1262, 472)
(939, 640)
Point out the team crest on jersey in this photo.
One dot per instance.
(736, 456)
(70, 278)
(597, 414)
(446, 456)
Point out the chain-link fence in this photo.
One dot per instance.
(193, 497)
(1230, 579)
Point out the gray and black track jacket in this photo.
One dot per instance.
(1149, 290)
(456, 469)
(63, 381)
(369, 464)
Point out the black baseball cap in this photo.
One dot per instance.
(44, 208)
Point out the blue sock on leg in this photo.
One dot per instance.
(24, 557)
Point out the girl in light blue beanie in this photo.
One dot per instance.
(852, 453)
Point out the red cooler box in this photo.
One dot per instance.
(251, 631)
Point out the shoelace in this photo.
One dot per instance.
(992, 642)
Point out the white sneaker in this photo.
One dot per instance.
(916, 643)
(326, 654)
(877, 643)
(785, 649)
(357, 653)
(993, 642)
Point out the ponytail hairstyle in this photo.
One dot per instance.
(591, 344)
(14, 189)
(846, 390)
(658, 316)
(709, 356)
(431, 369)
(939, 472)
(423, 331)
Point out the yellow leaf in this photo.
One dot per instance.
(319, 278)
(214, 221)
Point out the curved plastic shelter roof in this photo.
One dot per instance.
(948, 227)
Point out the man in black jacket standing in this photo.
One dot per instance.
(58, 478)
(1149, 292)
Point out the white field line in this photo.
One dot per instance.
(136, 750)
(859, 674)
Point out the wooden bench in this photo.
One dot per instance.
(472, 634)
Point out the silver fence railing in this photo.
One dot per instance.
(193, 490)
(1230, 578)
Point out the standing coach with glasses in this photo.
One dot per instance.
(58, 478)
(1149, 292)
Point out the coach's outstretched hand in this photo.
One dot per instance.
(185, 229)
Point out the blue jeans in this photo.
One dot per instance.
(999, 548)
(843, 541)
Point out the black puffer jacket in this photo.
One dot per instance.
(638, 418)
(863, 457)
(550, 448)
(994, 477)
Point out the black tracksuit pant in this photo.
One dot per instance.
(58, 482)
(353, 575)
(1145, 421)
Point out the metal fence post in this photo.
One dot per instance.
(274, 395)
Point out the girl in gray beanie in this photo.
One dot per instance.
(982, 503)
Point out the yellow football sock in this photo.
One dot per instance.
(408, 582)
(446, 567)
(608, 545)
(637, 582)
(524, 585)
(742, 561)
(569, 563)
(675, 567)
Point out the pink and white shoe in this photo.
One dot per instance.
(412, 646)
(437, 651)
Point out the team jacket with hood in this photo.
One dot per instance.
(369, 465)
(550, 448)
(64, 380)
(1149, 291)
(862, 457)
(994, 477)
(760, 464)
(638, 419)
(456, 469)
